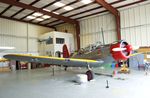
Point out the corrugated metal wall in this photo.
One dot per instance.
(135, 25)
(92, 28)
(20, 35)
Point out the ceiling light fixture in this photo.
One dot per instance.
(68, 8)
(46, 16)
(47, 10)
(56, 13)
(39, 19)
(59, 4)
(37, 14)
(31, 17)
(86, 1)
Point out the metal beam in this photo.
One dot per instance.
(25, 6)
(107, 6)
(115, 12)
(72, 10)
(32, 3)
(6, 9)
(42, 8)
(25, 21)
(115, 2)
(78, 35)
(118, 27)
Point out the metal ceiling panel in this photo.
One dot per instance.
(78, 4)
(82, 10)
(42, 3)
(26, 19)
(15, 8)
(20, 15)
(122, 3)
(26, 1)
(66, 1)
(109, 1)
(61, 10)
(74, 17)
(27, 11)
(48, 21)
(1, 9)
(8, 13)
(35, 21)
(98, 10)
(3, 5)
(50, 8)
(55, 23)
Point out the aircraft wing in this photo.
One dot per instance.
(70, 62)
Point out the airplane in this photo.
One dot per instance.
(94, 55)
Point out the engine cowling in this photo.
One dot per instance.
(122, 54)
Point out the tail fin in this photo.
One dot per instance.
(65, 51)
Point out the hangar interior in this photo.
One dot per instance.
(26, 25)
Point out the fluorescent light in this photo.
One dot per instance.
(31, 17)
(37, 14)
(86, 1)
(7, 48)
(68, 8)
(39, 19)
(56, 13)
(59, 4)
(46, 16)
(47, 10)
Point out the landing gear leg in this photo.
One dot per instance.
(66, 68)
(90, 74)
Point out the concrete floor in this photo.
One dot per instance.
(40, 83)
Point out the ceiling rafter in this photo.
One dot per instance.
(107, 6)
(71, 10)
(115, 2)
(51, 3)
(6, 9)
(65, 5)
(32, 3)
(78, 8)
(42, 8)
(19, 4)
(125, 5)
(59, 8)
(25, 21)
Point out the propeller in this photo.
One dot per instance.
(118, 49)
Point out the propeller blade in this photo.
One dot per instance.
(118, 49)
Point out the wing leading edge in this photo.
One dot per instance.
(70, 62)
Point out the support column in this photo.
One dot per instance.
(118, 27)
(78, 35)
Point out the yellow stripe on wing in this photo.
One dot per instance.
(56, 58)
